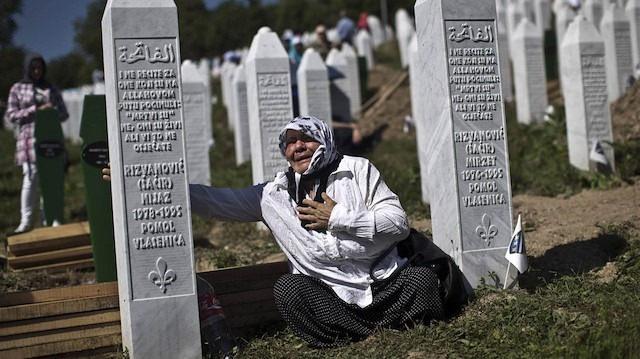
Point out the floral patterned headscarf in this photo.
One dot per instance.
(319, 131)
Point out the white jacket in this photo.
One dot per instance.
(367, 220)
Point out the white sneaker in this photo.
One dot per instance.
(23, 227)
(55, 223)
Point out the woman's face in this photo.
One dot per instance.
(36, 70)
(299, 150)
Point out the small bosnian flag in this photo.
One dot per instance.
(516, 252)
(597, 153)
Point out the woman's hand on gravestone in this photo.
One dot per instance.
(317, 213)
(106, 173)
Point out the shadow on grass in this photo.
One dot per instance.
(573, 259)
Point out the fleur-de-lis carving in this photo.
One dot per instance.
(162, 276)
(487, 231)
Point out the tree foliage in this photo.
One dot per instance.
(11, 57)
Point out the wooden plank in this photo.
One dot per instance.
(60, 267)
(246, 273)
(50, 257)
(49, 238)
(29, 339)
(64, 347)
(39, 310)
(263, 306)
(242, 298)
(253, 320)
(56, 294)
(59, 321)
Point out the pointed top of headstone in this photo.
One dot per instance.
(632, 4)
(139, 3)
(311, 60)
(336, 58)
(190, 72)
(581, 30)
(526, 29)
(348, 51)
(264, 30)
(613, 12)
(266, 44)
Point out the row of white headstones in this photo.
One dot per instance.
(456, 86)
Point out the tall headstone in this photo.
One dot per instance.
(593, 11)
(49, 148)
(470, 192)
(377, 32)
(205, 72)
(313, 87)
(585, 93)
(194, 105)
(270, 105)
(151, 209)
(353, 77)
(543, 14)
(339, 86)
(364, 45)
(242, 141)
(404, 33)
(514, 15)
(633, 14)
(616, 32)
(416, 110)
(95, 157)
(503, 41)
(226, 77)
(564, 16)
(529, 73)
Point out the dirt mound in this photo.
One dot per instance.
(625, 115)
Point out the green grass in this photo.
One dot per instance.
(573, 316)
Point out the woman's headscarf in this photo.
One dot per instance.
(319, 131)
(28, 67)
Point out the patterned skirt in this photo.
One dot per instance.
(316, 314)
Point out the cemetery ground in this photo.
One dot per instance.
(580, 298)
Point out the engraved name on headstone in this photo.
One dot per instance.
(270, 105)
(585, 93)
(529, 73)
(468, 163)
(152, 219)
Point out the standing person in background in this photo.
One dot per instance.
(362, 22)
(346, 28)
(321, 43)
(27, 96)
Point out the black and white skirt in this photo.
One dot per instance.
(316, 314)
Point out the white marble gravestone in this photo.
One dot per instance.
(227, 76)
(514, 15)
(377, 32)
(194, 105)
(469, 188)
(505, 53)
(616, 32)
(416, 111)
(564, 16)
(593, 11)
(543, 14)
(404, 33)
(633, 14)
(151, 209)
(364, 45)
(242, 139)
(314, 95)
(585, 93)
(529, 73)
(269, 100)
(205, 72)
(339, 86)
(353, 77)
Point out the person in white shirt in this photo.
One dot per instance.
(333, 216)
(338, 224)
